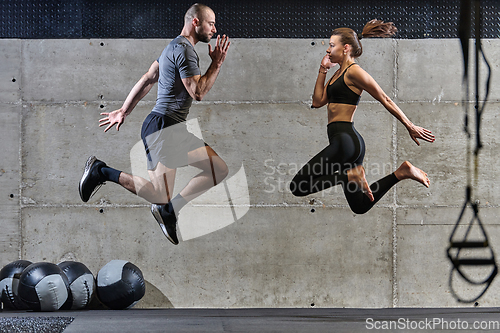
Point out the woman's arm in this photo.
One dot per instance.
(320, 97)
(362, 80)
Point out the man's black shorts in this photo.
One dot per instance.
(167, 141)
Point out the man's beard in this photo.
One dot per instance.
(203, 37)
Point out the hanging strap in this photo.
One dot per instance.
(458, 263)
(455, 247)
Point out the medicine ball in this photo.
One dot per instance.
(120, 285)
(9, 281)
(81, 283)
(43, 286)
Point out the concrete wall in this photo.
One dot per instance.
(282, 251)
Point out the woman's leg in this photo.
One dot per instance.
(361, 203)
(360, 199)
(323, 171)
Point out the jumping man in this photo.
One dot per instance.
(167, 142)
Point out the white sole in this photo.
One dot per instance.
(156, 213)
(90, 161)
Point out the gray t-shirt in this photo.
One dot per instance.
(178, 61)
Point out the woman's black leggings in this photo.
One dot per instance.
(329, 168)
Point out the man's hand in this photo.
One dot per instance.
(116, 117)
(218, 54)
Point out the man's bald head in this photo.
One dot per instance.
(197, 10)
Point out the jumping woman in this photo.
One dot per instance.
(340, 163)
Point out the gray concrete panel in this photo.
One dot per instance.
(262, 70)
(273, 257)
(255, 70)
(83, 70)
(10, 70)
(257, 136)
(445, 159)
(379, 60)
(10, 238)
(58, 139)
(286, 69)
(273, 141)
(276, 250)
(9, 152)
(423, 269)
(487, 183)
(492, 54)
(429, 70)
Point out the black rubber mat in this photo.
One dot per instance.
(34, 324)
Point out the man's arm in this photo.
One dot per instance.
(198, 86)
(140, 89)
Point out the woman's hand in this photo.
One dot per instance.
(417, 132)
(326, 63)
(116, 117)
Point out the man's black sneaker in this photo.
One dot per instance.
(167, 221)
(92, 178)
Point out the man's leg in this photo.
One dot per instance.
(163, 179)
(161, 184)
(158, 190)
(214, 170)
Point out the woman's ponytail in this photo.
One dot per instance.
(378, 28)
(374, 28)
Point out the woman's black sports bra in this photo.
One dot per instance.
(338, 92)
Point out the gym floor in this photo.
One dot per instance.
(254, 320)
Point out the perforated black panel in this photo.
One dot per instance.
(237, 19)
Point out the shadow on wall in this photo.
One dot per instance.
(153, 298)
